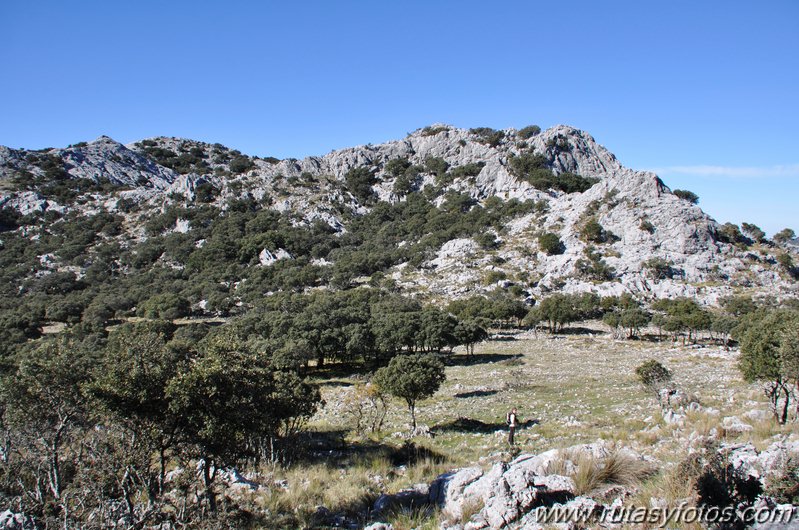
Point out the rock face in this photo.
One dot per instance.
(517, 494)
(640, 216)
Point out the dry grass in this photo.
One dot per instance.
(574, 389)
(616, 469)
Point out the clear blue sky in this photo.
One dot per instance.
(704, 92)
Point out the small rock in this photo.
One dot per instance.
(734, 425)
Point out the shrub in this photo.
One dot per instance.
(786, 262)
(686, 195)
(593, 267)
(593, 232)
(658, 268)
(653, 375)
(397, 166)
(754, 232)
(730, 233)
(240, 164)
(432, 131)
(359, 182)
(534, 168)
(467, 170)
(784, 235)
(435, 165)
(166, 306)
(488, 136)
(529, 132)
(647, 226)
(784, 488)
(551, 244)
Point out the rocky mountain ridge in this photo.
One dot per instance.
(649, 241)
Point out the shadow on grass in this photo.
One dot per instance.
(331, 447)
(479, 358)
(470, 425)
(476, 393)
(342, 384)
(577, 330)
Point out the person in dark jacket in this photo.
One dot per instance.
(512, 420)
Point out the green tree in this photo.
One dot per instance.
(658, 268)
(633, 320)
(558, 310)
(686, 195)
(723, 325)
(230, 402)
(469, 332)
(784, 235)
(593, 232)
(131, 384)
(763, 336)
(754, 232)
(412, 378)
(47, 407)
(435, 165)
(397, 166)
(730, 233)
(359, 182)
(165, 306)
(654, 376)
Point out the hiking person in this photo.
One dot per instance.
(512, 421)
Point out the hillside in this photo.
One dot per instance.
(442, 213)
(191, 337)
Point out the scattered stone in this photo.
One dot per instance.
(734, 425)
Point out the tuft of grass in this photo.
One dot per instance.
(415, 519)
(471, 508)
(615, 469)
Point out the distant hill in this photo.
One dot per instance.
(441, 214)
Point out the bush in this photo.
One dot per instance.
(653, 375)
(593, 267)
(467, 170)
(593, 232)
(730, 233)
(647, 226)
(754, 232)
(240, 164)
(359, 182)
(784, 235)
(397, 166)
(658, 268)
(435, 165)
(551, 244)
(166, 306)
(534, 168)
(432, 131)
(686, 195)
(529, 132)
(784, 488)
(488, 136)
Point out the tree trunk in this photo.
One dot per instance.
(412, 408)
(208, 480)
(785, 405)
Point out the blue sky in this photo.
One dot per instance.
(703, 92)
